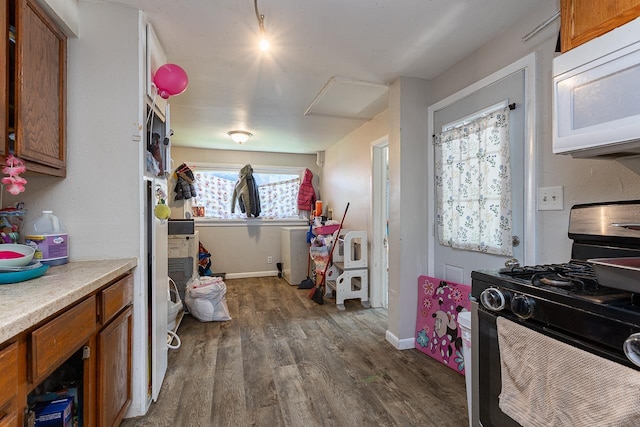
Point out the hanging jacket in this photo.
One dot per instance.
(306, 194)
(246, 193)
(184, 188)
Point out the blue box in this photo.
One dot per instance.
(57, 413)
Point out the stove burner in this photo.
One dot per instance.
(575, 277)
(559, 281)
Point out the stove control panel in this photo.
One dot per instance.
(522, 306)
(493, 299)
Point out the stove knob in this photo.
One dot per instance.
(492, 299)
(522, 306)
(631, 348)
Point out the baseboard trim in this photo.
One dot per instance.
(250, 274)
(400, 344)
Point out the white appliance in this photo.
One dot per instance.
(295, 254)
(157, 284)
(183, 259)
(596, 102)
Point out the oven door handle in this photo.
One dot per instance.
(586, 346)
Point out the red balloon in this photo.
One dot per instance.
(171, 80)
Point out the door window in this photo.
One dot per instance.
(473, 184)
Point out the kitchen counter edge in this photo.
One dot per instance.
(25, 304)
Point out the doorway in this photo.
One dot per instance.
(519, 79)
(379, 274)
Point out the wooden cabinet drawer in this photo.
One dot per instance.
(8, 374)
(9, 420)
(54, 342)
(116, 297)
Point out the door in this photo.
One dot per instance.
(514, 85)
(379, 237)
(157, 286)
(114, 370)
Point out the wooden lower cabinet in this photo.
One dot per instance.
(9, 420)
(92, 337)
(8, 385)
(114, 369)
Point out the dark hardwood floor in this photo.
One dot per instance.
(284, 360)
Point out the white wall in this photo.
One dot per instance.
(584, 181)
(347, 171)
(65, 13)
(100, 201)
(241, 249)
(407, 204)
(346, 176)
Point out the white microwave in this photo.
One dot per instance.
(596, 96)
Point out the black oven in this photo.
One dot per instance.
(563, 301)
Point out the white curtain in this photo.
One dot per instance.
(473, 185)
(214, 194)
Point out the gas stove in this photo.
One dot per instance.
(569, 289)
(564, 300)
(596, 232)
(575, 278)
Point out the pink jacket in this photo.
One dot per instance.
(306, 194)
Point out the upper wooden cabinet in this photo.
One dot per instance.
(36, 55)
(583, 20)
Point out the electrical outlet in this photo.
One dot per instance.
(269, 260)
(550, 198)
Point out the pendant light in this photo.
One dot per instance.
(264, 43)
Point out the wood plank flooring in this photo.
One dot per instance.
(284, 360)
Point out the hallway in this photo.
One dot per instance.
(284, 360)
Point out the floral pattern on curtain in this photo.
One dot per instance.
(473, 185)
(277, 200)
(215, 195)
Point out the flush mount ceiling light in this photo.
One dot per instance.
(264, 43)
(239, 136)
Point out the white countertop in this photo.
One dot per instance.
(25, 304)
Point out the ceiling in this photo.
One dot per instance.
(234, 85)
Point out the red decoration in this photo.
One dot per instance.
(171, 80)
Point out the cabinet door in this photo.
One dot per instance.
(114, 370)
(583, 20)
(9, 377)
(40, 90)
(9, 420)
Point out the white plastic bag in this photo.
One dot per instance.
(205, 299)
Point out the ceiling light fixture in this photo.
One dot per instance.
(264, 43)
(239, 136)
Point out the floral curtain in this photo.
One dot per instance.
(277, 200)
(214, 194)
(473, 185)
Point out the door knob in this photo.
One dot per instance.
(513, 262)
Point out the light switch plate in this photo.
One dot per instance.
(551, 198)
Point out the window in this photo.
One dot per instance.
(473, 184)
(278, 189)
